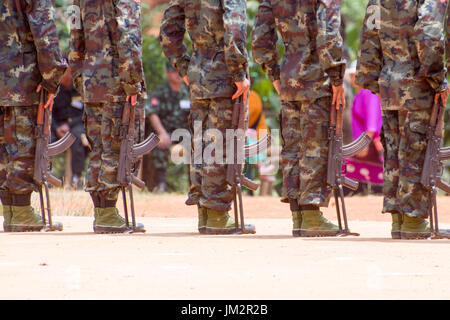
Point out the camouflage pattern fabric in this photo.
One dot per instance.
(208, 180)
(102, 124)
(401, 60)
(29, 54)
(106, 51)
(17, 149)
(106, 56)
(218, 31)
(313, 59)
(405, 134)
(304, 165)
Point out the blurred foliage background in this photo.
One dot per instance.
(154, 62)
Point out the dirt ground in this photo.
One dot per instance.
(172, 261)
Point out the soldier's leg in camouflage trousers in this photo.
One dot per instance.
(413, 198)
(393, 122)
(197, 117)
(314, 192)
(17, 159)
(102, 122)
(216, 193)
(290, 159)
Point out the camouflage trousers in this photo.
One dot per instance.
(405, 140)
(304, 154)
(208, 180)
(102, 126)
(17, 149)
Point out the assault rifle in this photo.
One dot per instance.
(433, 166)
(130, 153)
(42, 163)
(336, 179)
(234, 175)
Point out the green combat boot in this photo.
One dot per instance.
(24, 218)
(7, 216)
(6, 200)
(397, 220)
(297, 223)
(415, 228)
(221, 223)
(108, 220)
(202, 218)
(314, 224)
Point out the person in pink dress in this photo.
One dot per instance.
(367, 166)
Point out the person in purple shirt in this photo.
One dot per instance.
(367, 166)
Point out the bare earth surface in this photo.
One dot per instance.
(172, 261)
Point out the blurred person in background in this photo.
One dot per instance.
(367, 166)
(67, 115)
(257, 128)
(167, 111)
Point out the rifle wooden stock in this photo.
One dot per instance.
(339, 121)
(230, 175)
(443, 185)
(333, 117)
(249, 184)
(350, 183)
(40, 113)
(54, 180)
(440, 121)
(137, 182)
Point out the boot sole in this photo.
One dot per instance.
(219, 231)
(415, 235)
(16, 228)
(318, 233)
(396, 235)
(296, 233)
(109, 230)
(202, 230)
